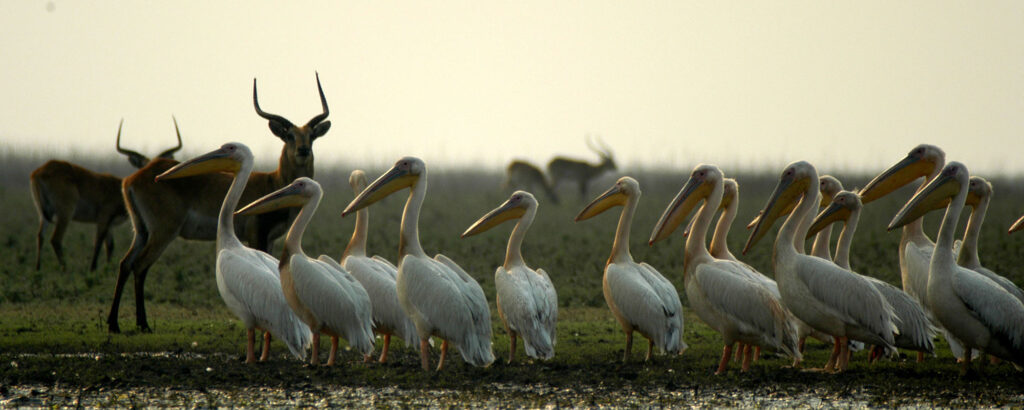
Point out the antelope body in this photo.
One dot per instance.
(562, 169)
(65, 192)
(162, 211)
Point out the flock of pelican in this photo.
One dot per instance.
(945, 289)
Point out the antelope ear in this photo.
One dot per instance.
(280, 130)
(320, 129)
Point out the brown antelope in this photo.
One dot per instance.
(65, 192)
(563, 169)
(524, 175)
(162, 211)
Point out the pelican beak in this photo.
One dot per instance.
(931, 197)
(826, 200)
(834, 212)
(392, 181)
(692, 193)
(1017, 225)
(218, 160)
(506, 212)
(686, 232)
(753, 222)
(782, 202)
(614, 196)
(288, 196)
(904, 172)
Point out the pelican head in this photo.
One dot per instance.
(702, 181)
(793, 182)
(404, 174)
(227, 158)
(829, 186)
(839, 209)
(513, 208)
(920, 162)
(953, 177)
(624, 188)
(978, 189)
(295, 194)
(357, 180)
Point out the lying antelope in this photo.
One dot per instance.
(188, 208)
(65, 192)
(563, 169)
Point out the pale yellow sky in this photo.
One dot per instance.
(852, 85)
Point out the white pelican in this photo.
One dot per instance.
(827, 297)
(377, 275)
(439, 296)
(978, 196)
(725, 294)
(828, 186)
(324, 296)
(246, 278)
(978, 312)
(638, 296)
(915, 330)
(526, 299)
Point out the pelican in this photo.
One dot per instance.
(827, 297)
(915, 330)
(246, 278)
(978, 196)
(975, 310)
(638, 296)
(526, 299)
(725, 294)
(325, 296)
(439, 296)
(828, 186)
(377, 275)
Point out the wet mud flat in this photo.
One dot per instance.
(208, 380)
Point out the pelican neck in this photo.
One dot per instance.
(846, 239)
(620, 248)
(357, 244)
(409, 243)
(696, 249)
(719, 240)
(226, 237)
(513, 252)
(969, 248)
(293, 240)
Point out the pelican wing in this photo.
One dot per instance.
(996, 308)
(649, 302)
(551, 301)
(337, 300)
(382, 260)
(1001, 281)
(850, 295)
(916, 330)
(524, 301)
(378, 279)
(254, 290)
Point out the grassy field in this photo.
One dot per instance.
(53, 333)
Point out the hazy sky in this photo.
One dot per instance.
(666, 84)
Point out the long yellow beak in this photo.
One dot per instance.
(781, 203)
(903, 173)
(688, 197)
(392, 181)
(505, 212)
(614, 196)
(1017, 225)
(931, 197)
(217, 160)
(834, 212)
(286, 197)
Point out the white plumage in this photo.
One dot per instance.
(247, 279)
(639, 297)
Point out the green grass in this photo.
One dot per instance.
(52, 322)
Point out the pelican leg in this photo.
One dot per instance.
(748, 354)
(726, 355)
(425, 353)
(965, 364)
(629, 346)
(266, 347)
(830, 365)
(511, 346)
(800, 344)
(739, 351)
(650, 348)
(444, 352)
(384, 350)
(334, 351)
(844, 354)
(757, 353)
(315, 359)
(920, 357)
(250, 346)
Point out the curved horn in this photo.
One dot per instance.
(264, 114)
(136, 159)
(323, 102)
(169, 154)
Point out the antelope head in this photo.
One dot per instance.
(138, 160)
(298, 141)
(602, 150)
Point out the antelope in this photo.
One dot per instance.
(573, 170)
(65, 192)
(188, 208)
(526, 176)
